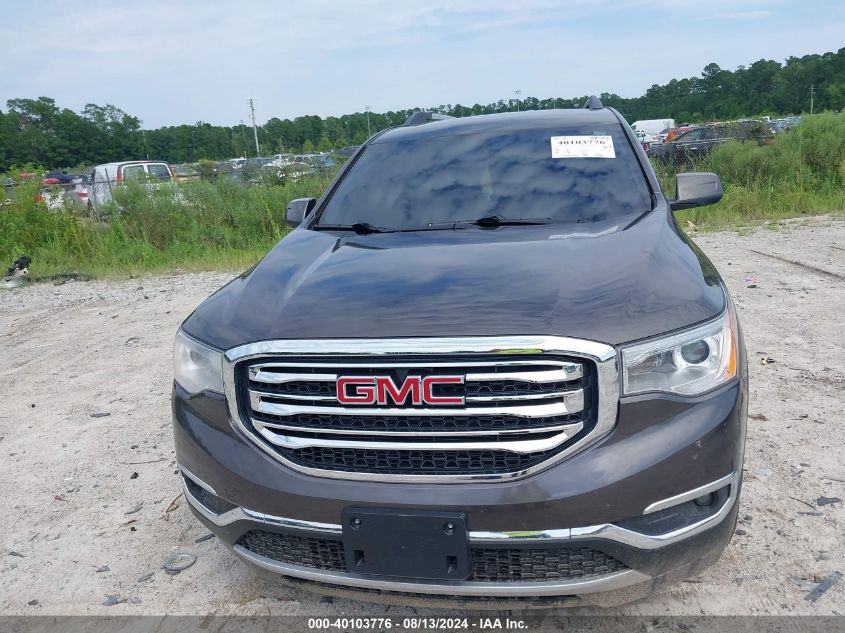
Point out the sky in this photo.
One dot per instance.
(199, 60)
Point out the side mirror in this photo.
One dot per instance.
(696, 190)
(298, 210)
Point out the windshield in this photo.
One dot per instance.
(409, 183)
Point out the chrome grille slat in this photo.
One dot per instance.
(366, 364)
(278, 378)
(513, 446)
(568, 371)
(477, 433)
(570, 402)
(521, 403)
(571, 395)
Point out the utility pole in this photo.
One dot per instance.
(812, 94)
(254, 129)
(517, 93)
(367, 108)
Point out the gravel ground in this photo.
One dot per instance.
(91, 498)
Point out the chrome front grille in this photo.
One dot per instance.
(520, 407)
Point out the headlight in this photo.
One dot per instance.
(687, 363)
(196, 367)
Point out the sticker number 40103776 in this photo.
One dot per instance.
(582, 147)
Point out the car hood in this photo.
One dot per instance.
(599, 282)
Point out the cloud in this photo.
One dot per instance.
(177, 62)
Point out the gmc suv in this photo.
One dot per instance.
(486, 363)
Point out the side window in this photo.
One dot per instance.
(159, 171)
(133, 172)
(692, 135)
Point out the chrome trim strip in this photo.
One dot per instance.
(233, 515)
(278, 378)
(618, 534)
(423, 346)
(527, 431)
(607, 582)
(561, 534)
(572, 371)
(691, 494)
(254, 395)
(567, 371)
(570, 402)
(513, 446)
(197, 480)
(604, 531)
(576, 395)
(565, 395)
(313, 526)
(604, 356)
(243, 514)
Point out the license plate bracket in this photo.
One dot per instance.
(406, 543)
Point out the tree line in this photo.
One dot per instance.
(37, 131)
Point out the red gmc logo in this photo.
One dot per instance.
(382, 390)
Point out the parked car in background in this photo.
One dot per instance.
(696, 144)
(649, 130)
(674, 132)
(786, 123)
(188, 172)
(292, 168)
(76, 196)
(104, 178)
(348, 150)
(250, 170)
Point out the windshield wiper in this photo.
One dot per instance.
(365, 228)
(361, 228)
(492, 221)
(498, 220)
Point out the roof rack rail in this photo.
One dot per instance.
(593, 103)
(418, 118)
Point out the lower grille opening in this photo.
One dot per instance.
(513, 564)
(397, 462)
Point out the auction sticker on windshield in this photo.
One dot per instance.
(582, 147)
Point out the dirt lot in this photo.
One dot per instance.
(85, 440)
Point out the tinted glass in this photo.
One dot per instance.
(692, 135)
(158, 171)
(133, 172)
(407, 183)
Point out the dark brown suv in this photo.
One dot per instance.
(487, 363)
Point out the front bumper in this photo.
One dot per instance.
(701, 536)
(663, 452)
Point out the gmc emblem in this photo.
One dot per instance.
(382, 390)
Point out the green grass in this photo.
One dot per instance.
(191, 226)
(801, 173)
(225, 225)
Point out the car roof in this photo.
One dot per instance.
(502, 123)
(130, 162)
